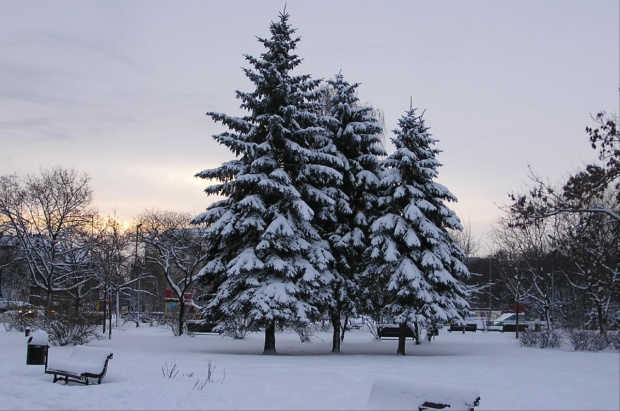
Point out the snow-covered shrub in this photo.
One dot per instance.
(579, 339)
(305, 331)
(550, 339)
(529, 338)
(541, 339)
(70, 329)
(614, 340)
(13, 321)
(237, 328)
(587, 340)
(598, 342)
(326, 326)
(171, 320)
(373, 327)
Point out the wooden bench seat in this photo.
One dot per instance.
(83, 363)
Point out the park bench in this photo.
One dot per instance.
(513, 327)
(201, 327)
(463, 328)
(392, 331)
(398, 394)
(82, 364)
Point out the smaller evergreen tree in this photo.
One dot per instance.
(354, 139)
(415, 262)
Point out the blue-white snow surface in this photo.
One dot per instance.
(308, 376)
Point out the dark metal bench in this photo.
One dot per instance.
(463, 328)
(199, 326)
(513, 327)
(82, 364)
(392, 331)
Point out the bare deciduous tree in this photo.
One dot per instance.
(112, 256)
(46, 212)
(178, 248)
(466, 240)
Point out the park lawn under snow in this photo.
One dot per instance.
(308, 376)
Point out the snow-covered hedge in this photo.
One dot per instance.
(70, 329)
(614, 340)
(587, 340)
(541, 339)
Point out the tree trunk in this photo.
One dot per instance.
(344, 329)
(181, 314)
(517, 330)
(49, 302)
(601, 319)
(118, 310)
(416, 333)
(548, 316)
(109, 321)
(270, 339)
(335, 317)
(105, 304)
(77, 305)
(402, 337)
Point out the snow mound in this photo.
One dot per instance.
(387, 394)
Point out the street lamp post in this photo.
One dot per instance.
(135, 267)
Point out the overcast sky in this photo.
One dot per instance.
(119, 89)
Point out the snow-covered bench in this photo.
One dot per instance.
(389, 394)
(82, 364)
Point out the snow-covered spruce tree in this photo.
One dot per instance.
(355, 140)
(267, 256)
(416, 263)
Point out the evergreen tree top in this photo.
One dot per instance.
(280, 45)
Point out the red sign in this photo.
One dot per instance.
(518, 309)
(187, 297)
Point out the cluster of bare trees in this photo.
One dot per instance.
(557, 246)
(48, 215)
(69, 252)
(66, 247)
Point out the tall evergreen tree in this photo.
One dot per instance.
(355, 140)
(416, 263)
(268, 257)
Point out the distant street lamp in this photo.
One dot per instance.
(135, 269)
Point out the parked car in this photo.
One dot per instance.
(508, 322)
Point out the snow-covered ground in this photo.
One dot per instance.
(308, 376)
